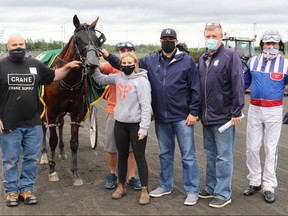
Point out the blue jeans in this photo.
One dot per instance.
(166, 133)
(30, 140)
(219, 150)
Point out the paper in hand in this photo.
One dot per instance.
(228, 124)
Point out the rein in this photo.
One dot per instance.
(74, 87)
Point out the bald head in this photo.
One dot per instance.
(15, 41)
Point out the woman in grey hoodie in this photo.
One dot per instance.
(132, 114)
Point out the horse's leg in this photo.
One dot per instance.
(53, 141)
(62, 154)
(74, 148)
(44, 158)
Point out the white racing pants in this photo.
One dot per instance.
(263, 123)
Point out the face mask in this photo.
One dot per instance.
(17, 55)
(270, 53)
(211, 44)
(168, 46)
(128, 69)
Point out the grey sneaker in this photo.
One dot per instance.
(219, 203)
(191, 199)
(158, 192)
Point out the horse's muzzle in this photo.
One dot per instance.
(92, 59)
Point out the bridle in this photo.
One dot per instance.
(85, 54)
(91, 46)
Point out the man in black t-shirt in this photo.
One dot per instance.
(20, 124)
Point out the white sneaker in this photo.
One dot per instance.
(191, 199)
(158, 192)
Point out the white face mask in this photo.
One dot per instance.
(270, 53)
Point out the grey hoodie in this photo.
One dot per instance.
(133, 97)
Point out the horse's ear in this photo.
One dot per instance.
(76, 21)
(93, 24)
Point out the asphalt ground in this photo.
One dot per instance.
(62, 198)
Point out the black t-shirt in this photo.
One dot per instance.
(19, 84)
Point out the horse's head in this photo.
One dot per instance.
(87, 42)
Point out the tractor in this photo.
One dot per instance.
(243, 45)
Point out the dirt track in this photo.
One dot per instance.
(62, 198)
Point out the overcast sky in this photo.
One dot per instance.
(141, 21)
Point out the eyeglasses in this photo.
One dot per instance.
(213, 24)
(125, 44)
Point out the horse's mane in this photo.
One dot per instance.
(67, 54)
(65, 48)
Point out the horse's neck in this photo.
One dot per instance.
(68, 53)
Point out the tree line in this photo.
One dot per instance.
(41, 45)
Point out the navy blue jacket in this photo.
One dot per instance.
(175, 87)
(222, 86)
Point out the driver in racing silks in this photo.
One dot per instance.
(266, 75)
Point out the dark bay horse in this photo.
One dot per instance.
(69, 95)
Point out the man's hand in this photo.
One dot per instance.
(235, 120)
(103, 52)
(74, 64)
(1, 127)
(191, 120)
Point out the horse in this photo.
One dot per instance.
(69, 94)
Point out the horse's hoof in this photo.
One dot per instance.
(44, 159)
(78, 182)
(53, 177)
(63, 157)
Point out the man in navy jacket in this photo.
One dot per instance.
(176, 102)
(222, 88)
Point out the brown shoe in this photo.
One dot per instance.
(28, 197)
(12, 199)
(119, 192)
(144, 197)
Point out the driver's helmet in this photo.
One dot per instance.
(272, 35)
(125, 44)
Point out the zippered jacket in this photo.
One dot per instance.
(175, 87)
(222, 86)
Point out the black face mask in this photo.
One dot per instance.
(17, 55)
(168, 46)
(128, 69)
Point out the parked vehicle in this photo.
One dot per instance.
(243, 45)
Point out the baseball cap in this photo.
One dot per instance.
(168, 32)
(271, 36)
(125, 44)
